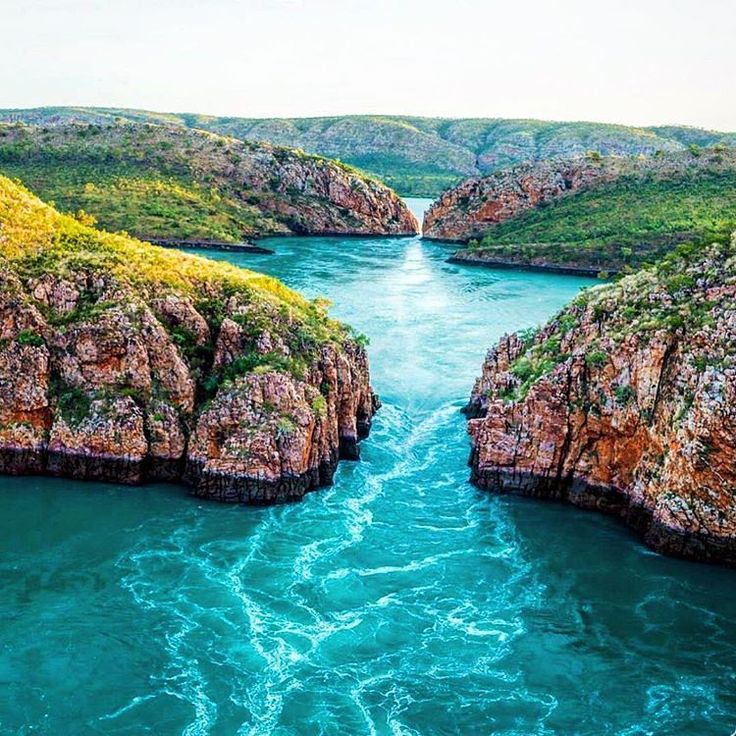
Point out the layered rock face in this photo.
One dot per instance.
(193, 185)
(318, 196)
(625, 403)
(472, 208)
(469, 209)
(124, 362)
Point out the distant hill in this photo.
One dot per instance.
(416, 156)
(173, 183)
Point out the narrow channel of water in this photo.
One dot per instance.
(399, 601)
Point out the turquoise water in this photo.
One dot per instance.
(399, 601)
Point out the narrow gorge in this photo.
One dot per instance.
(400, 598)
(367, 368)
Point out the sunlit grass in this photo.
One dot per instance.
(36, 240)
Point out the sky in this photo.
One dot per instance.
(639, 62)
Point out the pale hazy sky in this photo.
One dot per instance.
(630, 61)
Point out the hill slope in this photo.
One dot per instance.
(417, 156)
(123, 361)
(174, 183)
(625, 403)
(589, 213)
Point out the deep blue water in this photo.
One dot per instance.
(399, 601)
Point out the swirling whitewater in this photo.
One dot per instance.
(399, 601)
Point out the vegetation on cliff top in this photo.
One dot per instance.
(416, 156)
(167, 183)
(620, 225)
(123, 361)
(624, 403)
(36, 240)
(678, 296)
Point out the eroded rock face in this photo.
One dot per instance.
(121, 361)
(469, 209)
(317, 196)
(97, 383)
(625, 403)
(269, 438)
(473, 207)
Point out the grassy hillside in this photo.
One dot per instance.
(38, 243)
(416, 156)
(172, 183)
(622, 224)
(35, 240)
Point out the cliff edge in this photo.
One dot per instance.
(624, 403)
(165, 183)
(120, 361)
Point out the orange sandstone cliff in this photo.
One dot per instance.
(473, 206)
(124, 362)
(625, 403)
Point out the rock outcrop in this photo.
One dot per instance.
(173, 183)
(625, 403)
(472, 208)
(123, 362)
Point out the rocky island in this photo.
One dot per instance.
(624, 403)
(121, 361)
(193, 187)
(589, 214)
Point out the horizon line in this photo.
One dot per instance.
(400, 116)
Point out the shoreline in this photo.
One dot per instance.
(467, 260)
(260, 249)
(611, 501)
(351, 236)
(209, 245)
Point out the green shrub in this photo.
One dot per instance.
(29, 337)
(528, 335)
(285, 426)
(523, 369)
(74, 405)
(319, 405)
(596, 358)
(624, 394)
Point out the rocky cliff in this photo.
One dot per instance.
(417, 156)
(175, 183)
(589, 214)
(624, 403)
(471, 208)
(124, 362)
